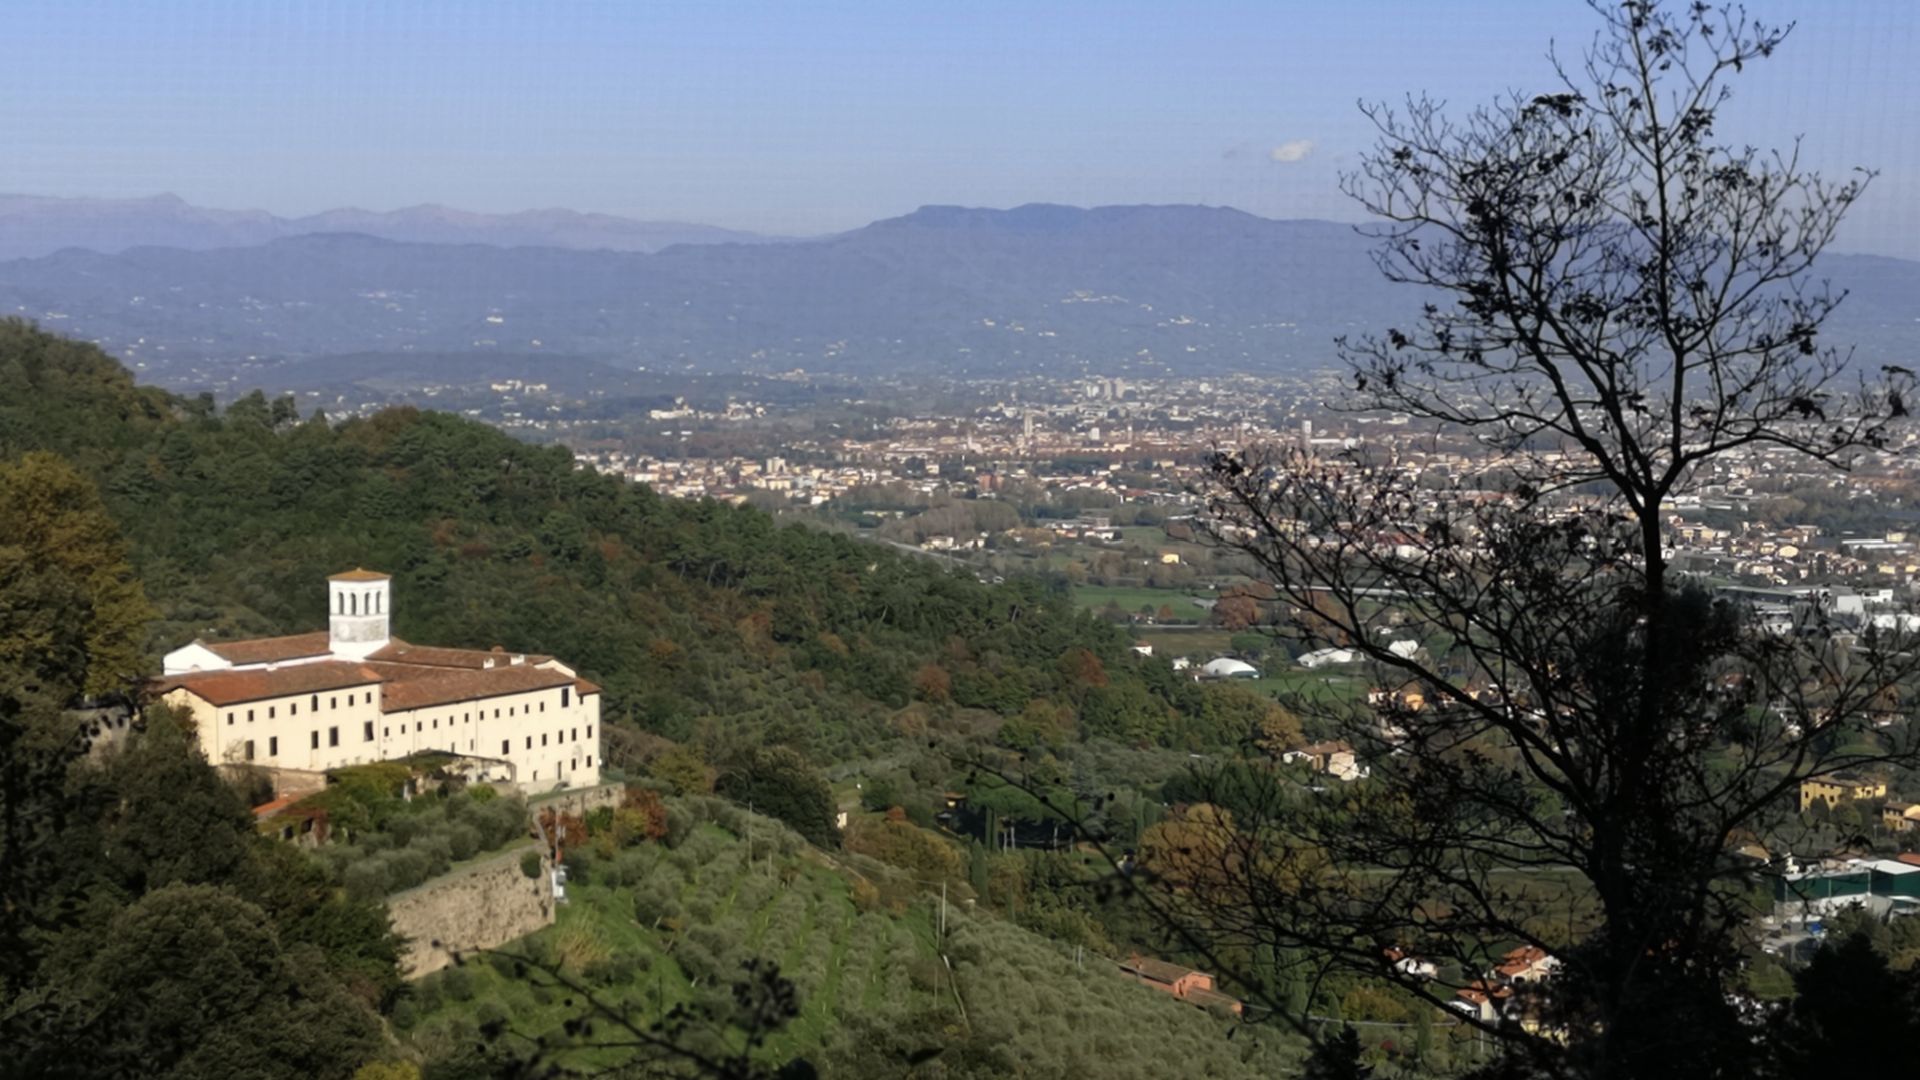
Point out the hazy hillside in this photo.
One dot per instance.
(1145, 289)
(981, 290)
(32, 225)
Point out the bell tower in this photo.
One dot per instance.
(357, 613)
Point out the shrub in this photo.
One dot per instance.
(694, 959)
(490, 1013)
(463, 841)
(600, 820)
(366, 879)
(616, 969)
(628, 868)
(679, 826)
(654, 902)
(530, 864)
(579, 864)
(427, 997)
(457, 984)
(406, 868)
(436, 850)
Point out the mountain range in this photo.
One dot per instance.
(1039, 288)
(34, 225)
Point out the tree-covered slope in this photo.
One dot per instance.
(699, 618)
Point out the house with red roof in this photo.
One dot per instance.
(1185, 983)
(300, 705)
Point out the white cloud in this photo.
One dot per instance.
(1291, 151)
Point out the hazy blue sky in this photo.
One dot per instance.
(811, 115)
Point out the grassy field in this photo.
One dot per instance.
(1095, 597)
(1203, 644)
(1312, 685)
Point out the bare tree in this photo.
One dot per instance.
(1616, 306)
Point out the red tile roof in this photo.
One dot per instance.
(1158, 970)
(401, 652)
(411, 686)
(236, 687)
(1520, 960)
(1479, 991)
(361, 574)
(271, 650)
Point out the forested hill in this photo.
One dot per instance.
(699, 619)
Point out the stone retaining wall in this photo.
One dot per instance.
(482, 906)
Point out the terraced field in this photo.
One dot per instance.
(655, 927)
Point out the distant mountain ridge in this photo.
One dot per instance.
(1038, 288)
(35, 225)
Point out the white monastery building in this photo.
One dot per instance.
(355, 694)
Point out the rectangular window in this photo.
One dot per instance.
(496, 714)
(333, 702)
(419, 727)
(566, 696)
(369, 737)
(436, 723)
(529, 742)
(386, 732)
(314, 705)
(543, 706)
(543, 738)
(249, 716)
(273, 746)
(589, 731)
(293, 708)
(229, 717)
(536, 774)
(270, 712)
(576, 734)
(589, 761)
(333, 736)
(316, 740)
(249, 749)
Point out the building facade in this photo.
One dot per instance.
(1836, 789)
(354, 694)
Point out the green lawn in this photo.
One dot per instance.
(1131, 599)
(1314, 685)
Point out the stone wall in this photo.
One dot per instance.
(578, 801)
(481, 906)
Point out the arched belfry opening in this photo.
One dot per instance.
(357, 627)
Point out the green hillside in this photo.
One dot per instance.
(702, 621)
(658, 927)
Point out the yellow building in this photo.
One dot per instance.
(1900, 816)
(1836, 789)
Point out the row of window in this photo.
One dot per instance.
(506, 745)
(293, 707)
(561, 767)
(333, 739)
(333, 702)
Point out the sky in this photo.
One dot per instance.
(809, 116)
